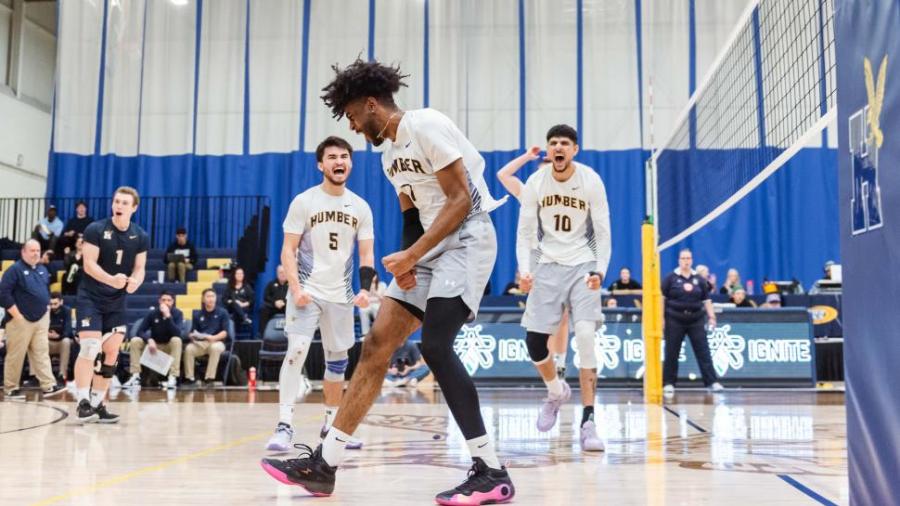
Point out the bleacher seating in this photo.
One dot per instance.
(187, 296)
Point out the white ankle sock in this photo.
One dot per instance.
(97, 397)
(83, 394)
(483, 448)
(286, 413)
(555, 387)
(330, 415)
(333, 446)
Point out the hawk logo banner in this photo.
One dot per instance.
(866, 139)
(474, 348)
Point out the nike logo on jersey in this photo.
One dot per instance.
(575, 188)
(408, 144)
(132, 237)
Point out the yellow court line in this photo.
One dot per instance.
(149, 469)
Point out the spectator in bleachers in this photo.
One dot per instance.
(209, 330)
(703, 272)
(773, 300)
(60, 334)
(181, 256)
(367, 314)
(75, 227)
(611, 302)
(239, 298)
(732, 282)
(407, 367)
(25, 295)
(48, 230)
(274, 298)
(625, 282)
(46, 258)
(159, 330)
(73, 267)
(739, 299)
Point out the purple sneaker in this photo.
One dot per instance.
(483, 486)
(550, 408)
(590, 442)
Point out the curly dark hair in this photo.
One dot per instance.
(362, 79)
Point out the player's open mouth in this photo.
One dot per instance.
(559, 158)
(339, 172)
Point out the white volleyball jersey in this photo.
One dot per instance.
(428, 141)
(568, 219)
(329, 227)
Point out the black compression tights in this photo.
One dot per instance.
(443, 320)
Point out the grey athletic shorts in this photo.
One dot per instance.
(555, 287)
(459, 266)
(334, 320)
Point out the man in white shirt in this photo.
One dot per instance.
(565, 213)
(448, 252)
(321, 228)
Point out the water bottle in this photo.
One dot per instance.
(749, 287)
(251, 374)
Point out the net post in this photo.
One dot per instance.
(651, 314)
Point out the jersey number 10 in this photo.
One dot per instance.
(563, 222)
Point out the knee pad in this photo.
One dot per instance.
(585, 344)
(537, 346)
(90, 348)
(101, 369)
(335, 365)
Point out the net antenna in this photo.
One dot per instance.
(769, 93)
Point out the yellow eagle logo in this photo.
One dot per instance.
(876, 99)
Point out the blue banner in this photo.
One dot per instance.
(868, 84)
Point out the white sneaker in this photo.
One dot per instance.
(171, 383)
(590, 442)
(281, 440)
(717, 387)
(669, 390)
(133, 382)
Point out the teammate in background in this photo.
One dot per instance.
(558, 344)
(448, 251)
(320, 230)
(565, 214)
(114, 254)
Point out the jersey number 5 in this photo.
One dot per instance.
(332, 240)
(563, 222)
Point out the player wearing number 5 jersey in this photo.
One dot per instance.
(115, 252)
(565, 214)
(322, 226)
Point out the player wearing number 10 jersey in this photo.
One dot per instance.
(566, 215)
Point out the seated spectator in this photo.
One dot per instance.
(75, 227)
(274, 298)
(407, 367)
(732, 282)
(48, 230)
(703, 272)
(159, 330)
(739, 298)
(367, 315)
(73, 266)
(239, 298)
(209, 330)
(60, 334)
(611, 302)
(46, 258)
(188, 256)
(625, 282)
(512, 288)
(773, 300)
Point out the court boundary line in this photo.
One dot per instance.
(64, 413)
(687, 419)
(812, 494)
